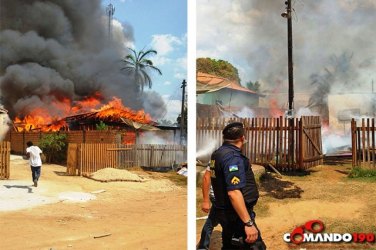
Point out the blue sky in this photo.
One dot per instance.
(159, 25)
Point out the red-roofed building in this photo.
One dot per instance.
(214, 90)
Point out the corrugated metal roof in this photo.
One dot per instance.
(3, 110)
(209, 83)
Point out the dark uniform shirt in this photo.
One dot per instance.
(230, 170)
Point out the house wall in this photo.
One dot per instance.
(229, 97)
(344, 107)
(159, 137)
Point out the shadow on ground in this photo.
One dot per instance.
(61, 173)
(29, 189)
(278, 188)
(337, 160)
(345, 172)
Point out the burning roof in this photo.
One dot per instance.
(113, 113)
(210, 83)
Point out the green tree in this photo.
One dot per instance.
(254, 86)
(165, 122)
(138, 66)
(54, 146)
(101, 126)
(219, 68)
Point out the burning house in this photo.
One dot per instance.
(344, 107)
(113, 115)
(218, 96)
(63, 75)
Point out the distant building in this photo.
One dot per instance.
(3, 117)
(215, 92)
(344, 107)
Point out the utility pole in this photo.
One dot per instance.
(182, 114)
(290, 112)
(110, 11)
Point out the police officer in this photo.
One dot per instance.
(235, 191)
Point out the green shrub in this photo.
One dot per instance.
(101, 126)
(359, 172)
(54, 146)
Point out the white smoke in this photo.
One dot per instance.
(4, 125)
(205, 148)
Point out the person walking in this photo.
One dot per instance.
(33, 153)
(235, 192)
(211, 222)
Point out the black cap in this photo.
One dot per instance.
(233, 131)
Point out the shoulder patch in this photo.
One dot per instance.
(235, 180)
(233, 168)
(212, 164)
(212, 168)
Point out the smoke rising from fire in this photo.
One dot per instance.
(253, 37)
(56, 52)
(333, 49)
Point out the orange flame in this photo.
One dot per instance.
(42, 119)
(115, 109)
(275, 111)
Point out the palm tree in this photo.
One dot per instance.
(138, 66)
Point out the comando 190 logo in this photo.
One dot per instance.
(312, 230)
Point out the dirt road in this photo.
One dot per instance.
(63, 213)
(344, 205)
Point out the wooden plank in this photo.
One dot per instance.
(314, 158)
(358, 146)
(368, 143)
(8, 160)
(72, 159)
(363, 142)
(353, 141)
(312, 140)
(301, 148)
(373, 143)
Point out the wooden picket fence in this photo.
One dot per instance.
(86, 158)
(4, 159)
(363, 143)
(268, 140)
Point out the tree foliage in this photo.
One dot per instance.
(54, 146)
(165, 122)
(254, 86)
(219, 68)
(138, 66)
(101, 126)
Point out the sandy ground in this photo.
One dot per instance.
(326, 194)
(66, 212)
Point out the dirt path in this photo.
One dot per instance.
(146, 215)
(343, 204)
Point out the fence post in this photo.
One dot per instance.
(353, 141)
(151, 155)
(301, 147)
(278, 142)
(23, 142)
(373, 142)
(8, 160)
(79, 148)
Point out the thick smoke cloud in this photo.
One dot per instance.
(253, 36)
(55, 50)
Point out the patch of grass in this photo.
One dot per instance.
(261, 208)
(133, 168)
(346, 226)
(178, 179)
(359, 172)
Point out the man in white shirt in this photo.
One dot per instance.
(33, 153)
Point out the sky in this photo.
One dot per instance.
(160, 25)
(252, 35)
